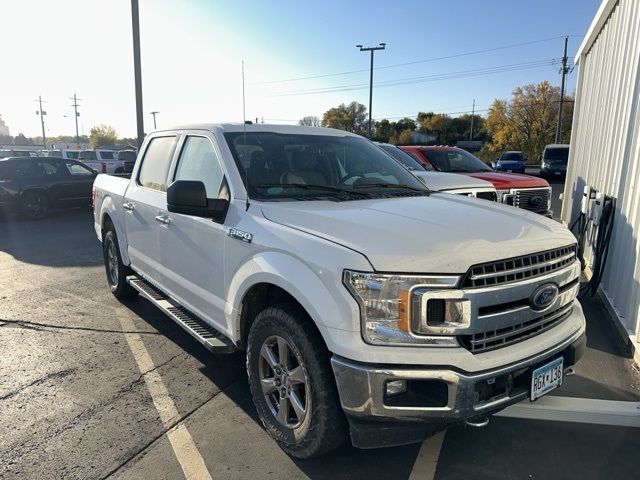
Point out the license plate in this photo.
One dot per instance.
(557, 173)
(509, 171)
(546, 378)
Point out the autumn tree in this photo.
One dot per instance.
(526, 122)
(309, 121)
(352, 118)
(102, 136)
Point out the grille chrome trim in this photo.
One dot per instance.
(524, 269)
(519, 268)
(499, 338)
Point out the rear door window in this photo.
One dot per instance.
(156, 162)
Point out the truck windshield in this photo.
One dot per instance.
(557, 154)
(456, 161)
(278, 166)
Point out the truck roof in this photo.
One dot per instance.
(263, 127)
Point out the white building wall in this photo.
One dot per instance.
(605, 146)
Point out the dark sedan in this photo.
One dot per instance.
(34, 185)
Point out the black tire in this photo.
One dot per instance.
(34, 205)
(324, 426)
(116, 270)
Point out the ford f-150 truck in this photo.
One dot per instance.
(522, 191)
(366, 304)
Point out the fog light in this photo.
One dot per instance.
(396, 387)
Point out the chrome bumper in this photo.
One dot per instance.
(362, 387)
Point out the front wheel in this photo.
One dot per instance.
(292, 384)
(117, 272)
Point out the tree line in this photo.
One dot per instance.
(100, 136)
(525, 122)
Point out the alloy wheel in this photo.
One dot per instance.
(284, 382)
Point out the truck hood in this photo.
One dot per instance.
(439, 181)
(441, 233)
(503, 181)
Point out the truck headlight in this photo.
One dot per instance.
(386, 304)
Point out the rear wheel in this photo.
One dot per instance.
(292, 384)
(116, 271)
(35, 205)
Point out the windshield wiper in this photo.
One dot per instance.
(307, 186)
(390, 185)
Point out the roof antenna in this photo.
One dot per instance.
(244, 150)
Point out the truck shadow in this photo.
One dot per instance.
(49, 241)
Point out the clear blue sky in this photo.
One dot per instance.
(280, 40)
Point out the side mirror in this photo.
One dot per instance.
(189, 197)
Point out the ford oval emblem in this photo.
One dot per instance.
(543, 296)
(536, 201)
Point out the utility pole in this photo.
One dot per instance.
(473, 112)
(77, 114)
(42, 113)
(137, 69)
(564, 70)
(371, 49)
(154, 118)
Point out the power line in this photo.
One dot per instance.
(420, 79)
(426, 60)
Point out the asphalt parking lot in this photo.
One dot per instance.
(75, 396)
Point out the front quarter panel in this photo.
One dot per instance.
(307, 267)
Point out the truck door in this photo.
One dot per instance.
(144, 205)
(192, 247)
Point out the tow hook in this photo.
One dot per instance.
(569, 371)
(478, 422)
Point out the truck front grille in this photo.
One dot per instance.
(535, 200)
(519, 268)
(487, 196)
(128, 166)
(492, 339)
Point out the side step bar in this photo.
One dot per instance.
(208, 336)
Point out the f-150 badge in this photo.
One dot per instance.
(240, 235)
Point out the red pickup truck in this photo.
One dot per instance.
(522, 191)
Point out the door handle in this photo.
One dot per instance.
(163, 219)
(129, 207)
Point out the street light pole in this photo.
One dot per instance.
(371, 49)
(137, 70)
(154, 118)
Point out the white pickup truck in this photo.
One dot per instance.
(366, 304)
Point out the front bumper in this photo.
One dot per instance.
(435, 396)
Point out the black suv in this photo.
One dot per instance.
(34, 185)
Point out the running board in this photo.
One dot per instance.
(208, 336)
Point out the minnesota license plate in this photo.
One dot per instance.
(546, 378)
(509, 171)
(557, 173)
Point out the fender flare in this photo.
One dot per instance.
(281, 269)
(108, 208)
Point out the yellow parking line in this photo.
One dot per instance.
(427, 460)
(185, 449)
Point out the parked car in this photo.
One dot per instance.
(67, 154)
(125, 159)
(34, 185)
(510, 162)
(6, 153)
(522, 191)
(553, 162)
(309, 248)
(100, 159)
(440, 181)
